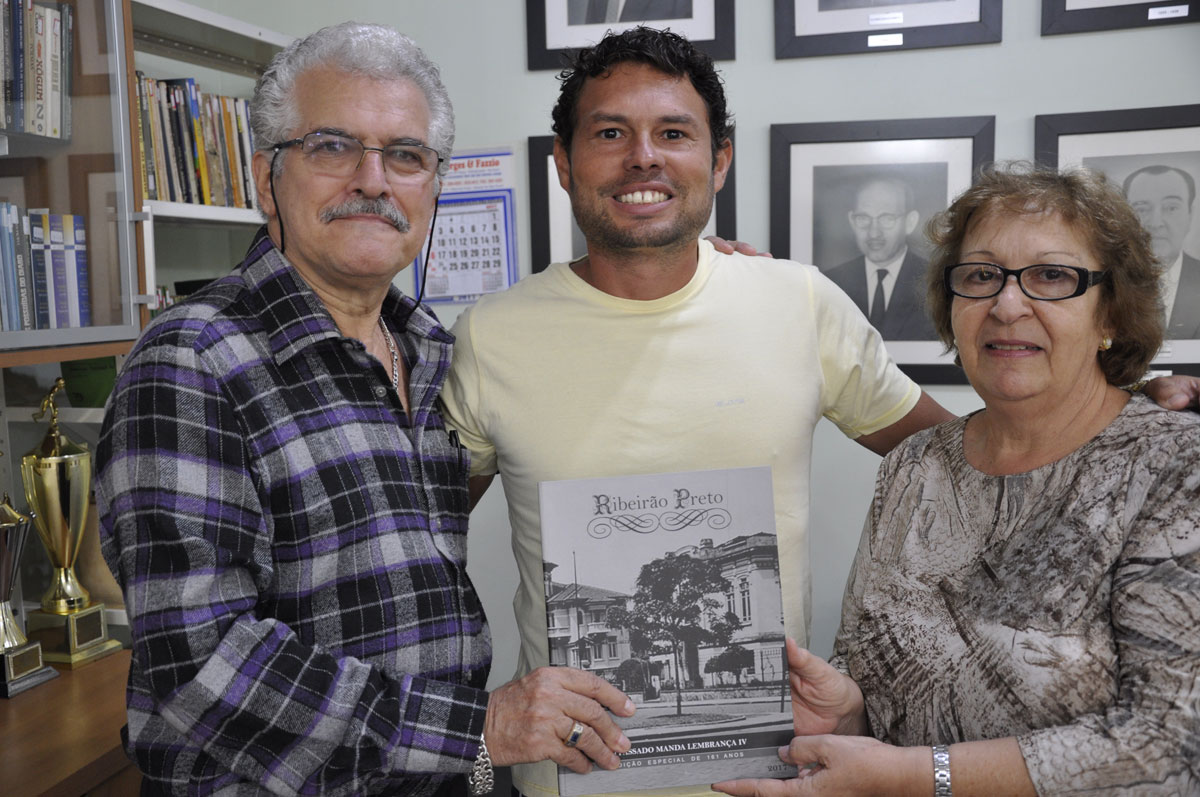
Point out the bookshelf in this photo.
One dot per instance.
(133, 244)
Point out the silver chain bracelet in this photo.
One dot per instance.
(482, 779)
(941, 771)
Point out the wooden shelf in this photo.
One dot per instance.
(63, 737)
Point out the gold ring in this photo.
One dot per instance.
(576, 732)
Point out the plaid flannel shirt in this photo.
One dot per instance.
(292, 549)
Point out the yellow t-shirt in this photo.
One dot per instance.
(554, 379)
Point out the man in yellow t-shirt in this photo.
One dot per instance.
(654, 352)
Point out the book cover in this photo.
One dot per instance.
(189, 106)
(667, 585)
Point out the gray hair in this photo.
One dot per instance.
(374, 51)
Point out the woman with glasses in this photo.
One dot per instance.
(1026, 594)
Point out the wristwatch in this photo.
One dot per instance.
(941, 771)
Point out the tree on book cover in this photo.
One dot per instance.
(668, 586)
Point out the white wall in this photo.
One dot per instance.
(480, 45)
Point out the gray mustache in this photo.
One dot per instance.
(361, 206)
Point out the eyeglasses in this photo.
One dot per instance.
(886, 221)
(338, 155)
(1044, 281)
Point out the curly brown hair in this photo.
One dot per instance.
(1130, 303)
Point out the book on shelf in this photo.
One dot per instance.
(67, 12)
(79, 307)
(37, 226)
(52, 56)
(194, 146)
(37, 65)
(667, 585)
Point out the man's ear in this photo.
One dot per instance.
(260, 164)
(722, 163)
(562, 163)
(910, 221)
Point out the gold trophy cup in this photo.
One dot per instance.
(57, 473)
(22, 666)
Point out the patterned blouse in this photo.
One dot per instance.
(1060, 606)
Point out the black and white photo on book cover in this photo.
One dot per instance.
(667, 585)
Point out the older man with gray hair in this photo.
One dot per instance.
(281, 500)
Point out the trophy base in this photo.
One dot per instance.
(27, 681)
(73, 639)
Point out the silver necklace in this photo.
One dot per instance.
(387, 338)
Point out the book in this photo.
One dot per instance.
(17, 247)
(52, 56)
(37, 228)
(17, 60)
(6, 64)
(10, 217)
(75, 254)
(144, 156)
(37, 66)
(175, 193)
(243, 115)
(162, 185)
(666, 584)
(231, 146)
(61, 297)
(67, 11)
(189, 106)
(9, 318)
(212, 145)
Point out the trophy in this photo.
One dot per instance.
(22, 659)
(57, 473)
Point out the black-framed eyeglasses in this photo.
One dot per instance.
(1046, 282)
(339, 155)
(886, 221)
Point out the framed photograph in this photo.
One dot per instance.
(554, 236)
(836, 27)
(1078, 16)
(1153, 154)
(557, 27)
(853, 198)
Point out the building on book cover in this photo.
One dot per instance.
(667, 585)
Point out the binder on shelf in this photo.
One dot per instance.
(52, 58)
(37, 65)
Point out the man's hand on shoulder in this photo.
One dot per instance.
(1177, 392)
(740, 247)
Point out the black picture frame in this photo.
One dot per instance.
(1119, 142)
(937, 157)
(1057, 19)
(543, 217)
(542, 55)
(899, 26)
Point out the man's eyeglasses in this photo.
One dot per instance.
(1043, 281)
(338, 155)
(886, 221)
